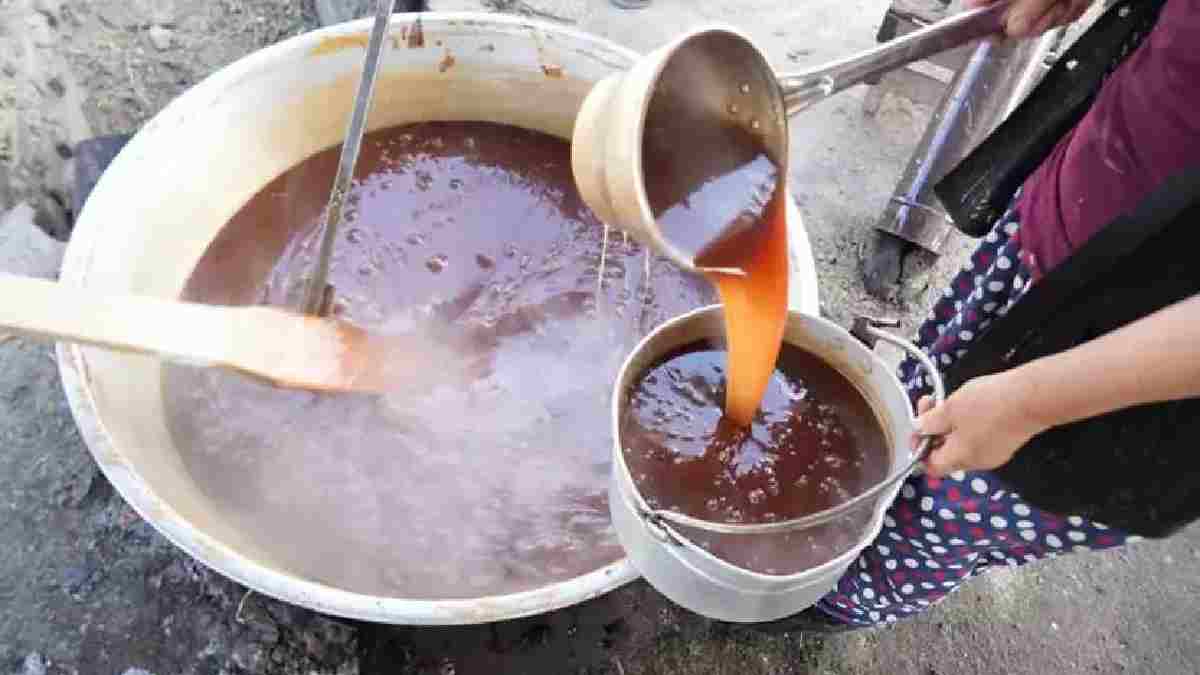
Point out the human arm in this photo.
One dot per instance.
(1027, 18)
(1156, 358)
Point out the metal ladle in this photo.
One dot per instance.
(718, 74)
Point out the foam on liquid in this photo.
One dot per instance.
(475, 234)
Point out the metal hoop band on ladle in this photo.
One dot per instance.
(868, 331)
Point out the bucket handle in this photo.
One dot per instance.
(868, 331)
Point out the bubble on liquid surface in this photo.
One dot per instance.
(437, 263)
(439, 491)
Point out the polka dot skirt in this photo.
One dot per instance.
(939, 533)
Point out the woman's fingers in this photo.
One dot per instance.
(1023, 14)
(935, 420)
(1026, 18)
(1078, 9)
(1056, 16)
(938, 466)
(924, 405)
(944, 460)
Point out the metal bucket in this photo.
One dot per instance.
(656, 540)
(164, 199)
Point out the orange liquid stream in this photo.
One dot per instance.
(755, 309)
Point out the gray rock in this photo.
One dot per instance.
(24, 248)
(137, 671)
(327, 641)
(33, 664)
(80, 580)
(331, 632)
(330, 12)
(175, 573)
(250, 656)
(254, 616)
(283, 613)
(161, 37)
(563, 11)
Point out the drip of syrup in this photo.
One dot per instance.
(719, 197)
(755, 306)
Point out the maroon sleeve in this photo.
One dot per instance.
(1143, 127)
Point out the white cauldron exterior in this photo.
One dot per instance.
(197, 162)
(693, 577)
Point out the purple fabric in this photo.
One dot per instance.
(1143, 127)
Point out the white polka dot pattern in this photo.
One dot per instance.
(939, 533)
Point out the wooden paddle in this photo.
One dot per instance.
(282, 347)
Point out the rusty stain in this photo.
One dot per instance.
(416, 36)
(337, 43)
(446, 63)
(552, 70)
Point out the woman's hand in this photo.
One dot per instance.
(1028, 18)
(984, 423)
(1156, 358)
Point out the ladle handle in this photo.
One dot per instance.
(801, 90)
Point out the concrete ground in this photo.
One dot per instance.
(87, 587)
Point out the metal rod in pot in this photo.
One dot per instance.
(316, 292)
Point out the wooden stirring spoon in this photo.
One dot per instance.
(279, 346)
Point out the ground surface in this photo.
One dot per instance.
(87, 587)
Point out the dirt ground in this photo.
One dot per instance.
(86, 587)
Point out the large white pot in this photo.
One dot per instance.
(197, 162)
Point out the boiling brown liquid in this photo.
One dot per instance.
(473, 233)
(814, 443)
(718, 195)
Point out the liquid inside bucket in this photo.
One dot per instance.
(476, 488)
(814, 443)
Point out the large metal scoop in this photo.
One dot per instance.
(716, 79)
(282, 347)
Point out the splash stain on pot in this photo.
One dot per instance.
(446, 63)
(488, 48)
(416, 35)
(552, 71)
(337, 43)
